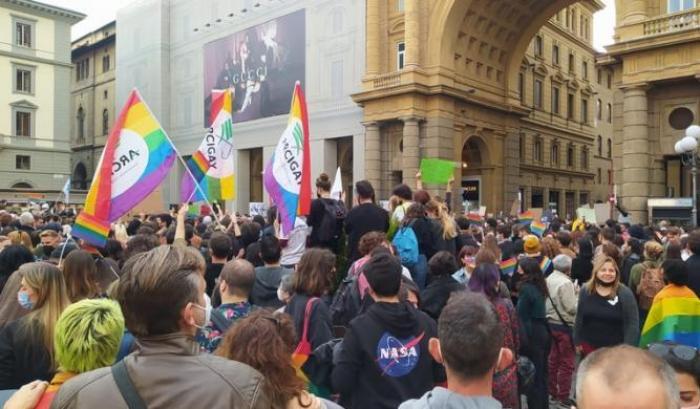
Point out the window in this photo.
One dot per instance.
(609, 148)
(537, 94)
(584, 110)
(537, 150)
(23, 123)
(600, 172)
(675, 6)
(400, 55)
(555, 154)
(573, 20)
(555, 99)
(80, 119)
(609, 113)
(105, 94)
(521, 87)
(23, 80)
(82, 69)
(538, 45)
(555, 54)
(600, 145)
(582, 29)
(570, 107)
(22, 162)
(400, 5)
(584, 158)
(23, 34)
(337, 79)
(599, 110)
(584, 70)
(583, 198)
(572, 62)
(599, 76)
(568, 17)
(570, 156)
(105, 63)
(105, 121)
(609, 81)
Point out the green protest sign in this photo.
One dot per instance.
(436, 171)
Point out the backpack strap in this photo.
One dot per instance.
(219, 320)
(307, 318)
(126, 387)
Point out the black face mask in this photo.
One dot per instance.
(48, 250)
(602, 283)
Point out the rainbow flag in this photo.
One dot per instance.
(674, 316)
(508, 266)
(212, 164)
(537, 228)
(136, 158)
(545, 264)
(287, 176)
(526, 217)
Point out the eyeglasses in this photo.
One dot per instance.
(683, 352)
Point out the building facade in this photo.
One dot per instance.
(516, 105)
(656, 61)
(92, 101)
(174, 52)
(35, 67)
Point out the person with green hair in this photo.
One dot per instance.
(87, 337)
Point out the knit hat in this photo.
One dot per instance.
(531, 244)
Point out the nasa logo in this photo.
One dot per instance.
(398, 357)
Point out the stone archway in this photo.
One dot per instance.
(22, 185)
(79, 179)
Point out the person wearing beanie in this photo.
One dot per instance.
(532, 247)
(384, 358)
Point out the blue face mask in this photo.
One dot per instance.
(24, 300)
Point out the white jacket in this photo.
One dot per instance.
(562, 292)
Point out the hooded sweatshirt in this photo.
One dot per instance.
(384, 358)
(441, 398)
(267, 280)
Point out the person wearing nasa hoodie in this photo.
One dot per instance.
(384, 358)
(469, 343)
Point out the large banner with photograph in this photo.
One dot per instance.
(260, 64)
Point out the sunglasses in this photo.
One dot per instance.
(682, 352)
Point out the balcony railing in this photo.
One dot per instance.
(26, 142)
(387, 80)
(673, 22)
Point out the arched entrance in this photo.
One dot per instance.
(22, 185)
(345, 163)
(79, 179)
(476, 181)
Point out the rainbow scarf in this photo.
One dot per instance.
(212, 164)
(287, 176)
(674, 316)
(526, 217)
(508, 266)
(537, 228)
(136, 158)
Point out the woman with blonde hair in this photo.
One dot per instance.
(21, 238)
(27, 345)
(265, 340)
(607, 310)
(445, 226)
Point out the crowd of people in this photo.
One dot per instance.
(415, 306)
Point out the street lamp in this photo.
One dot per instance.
(688, 149)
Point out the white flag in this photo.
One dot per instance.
(337, 189)
(66, 191)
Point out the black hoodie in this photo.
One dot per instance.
(267, 280)
(384, 358)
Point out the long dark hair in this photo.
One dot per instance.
(533, 274)
(484, 279)
(585, 247)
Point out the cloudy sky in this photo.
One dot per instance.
(102, 12)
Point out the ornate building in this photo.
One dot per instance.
(35, 68)
(510, 90)
(656, 60)
(92, 100)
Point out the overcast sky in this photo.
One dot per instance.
(102, 12)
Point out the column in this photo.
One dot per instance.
(633, 11)
(412, 32)
(372, 155)
(411, 151)
(373, 37)
(635, 150)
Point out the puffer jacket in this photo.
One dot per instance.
(169, 372)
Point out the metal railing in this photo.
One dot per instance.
(686, 20)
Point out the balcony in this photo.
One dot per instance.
(32, 143)
(387, 80)
(671, 23)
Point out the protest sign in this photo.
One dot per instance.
(436, 171)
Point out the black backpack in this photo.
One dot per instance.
(332, 222)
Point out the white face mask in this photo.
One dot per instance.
(207, 311)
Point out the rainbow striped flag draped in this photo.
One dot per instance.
(508, 266)
(674, 316)
(212, 164)
(136, 158)
(288, 174)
